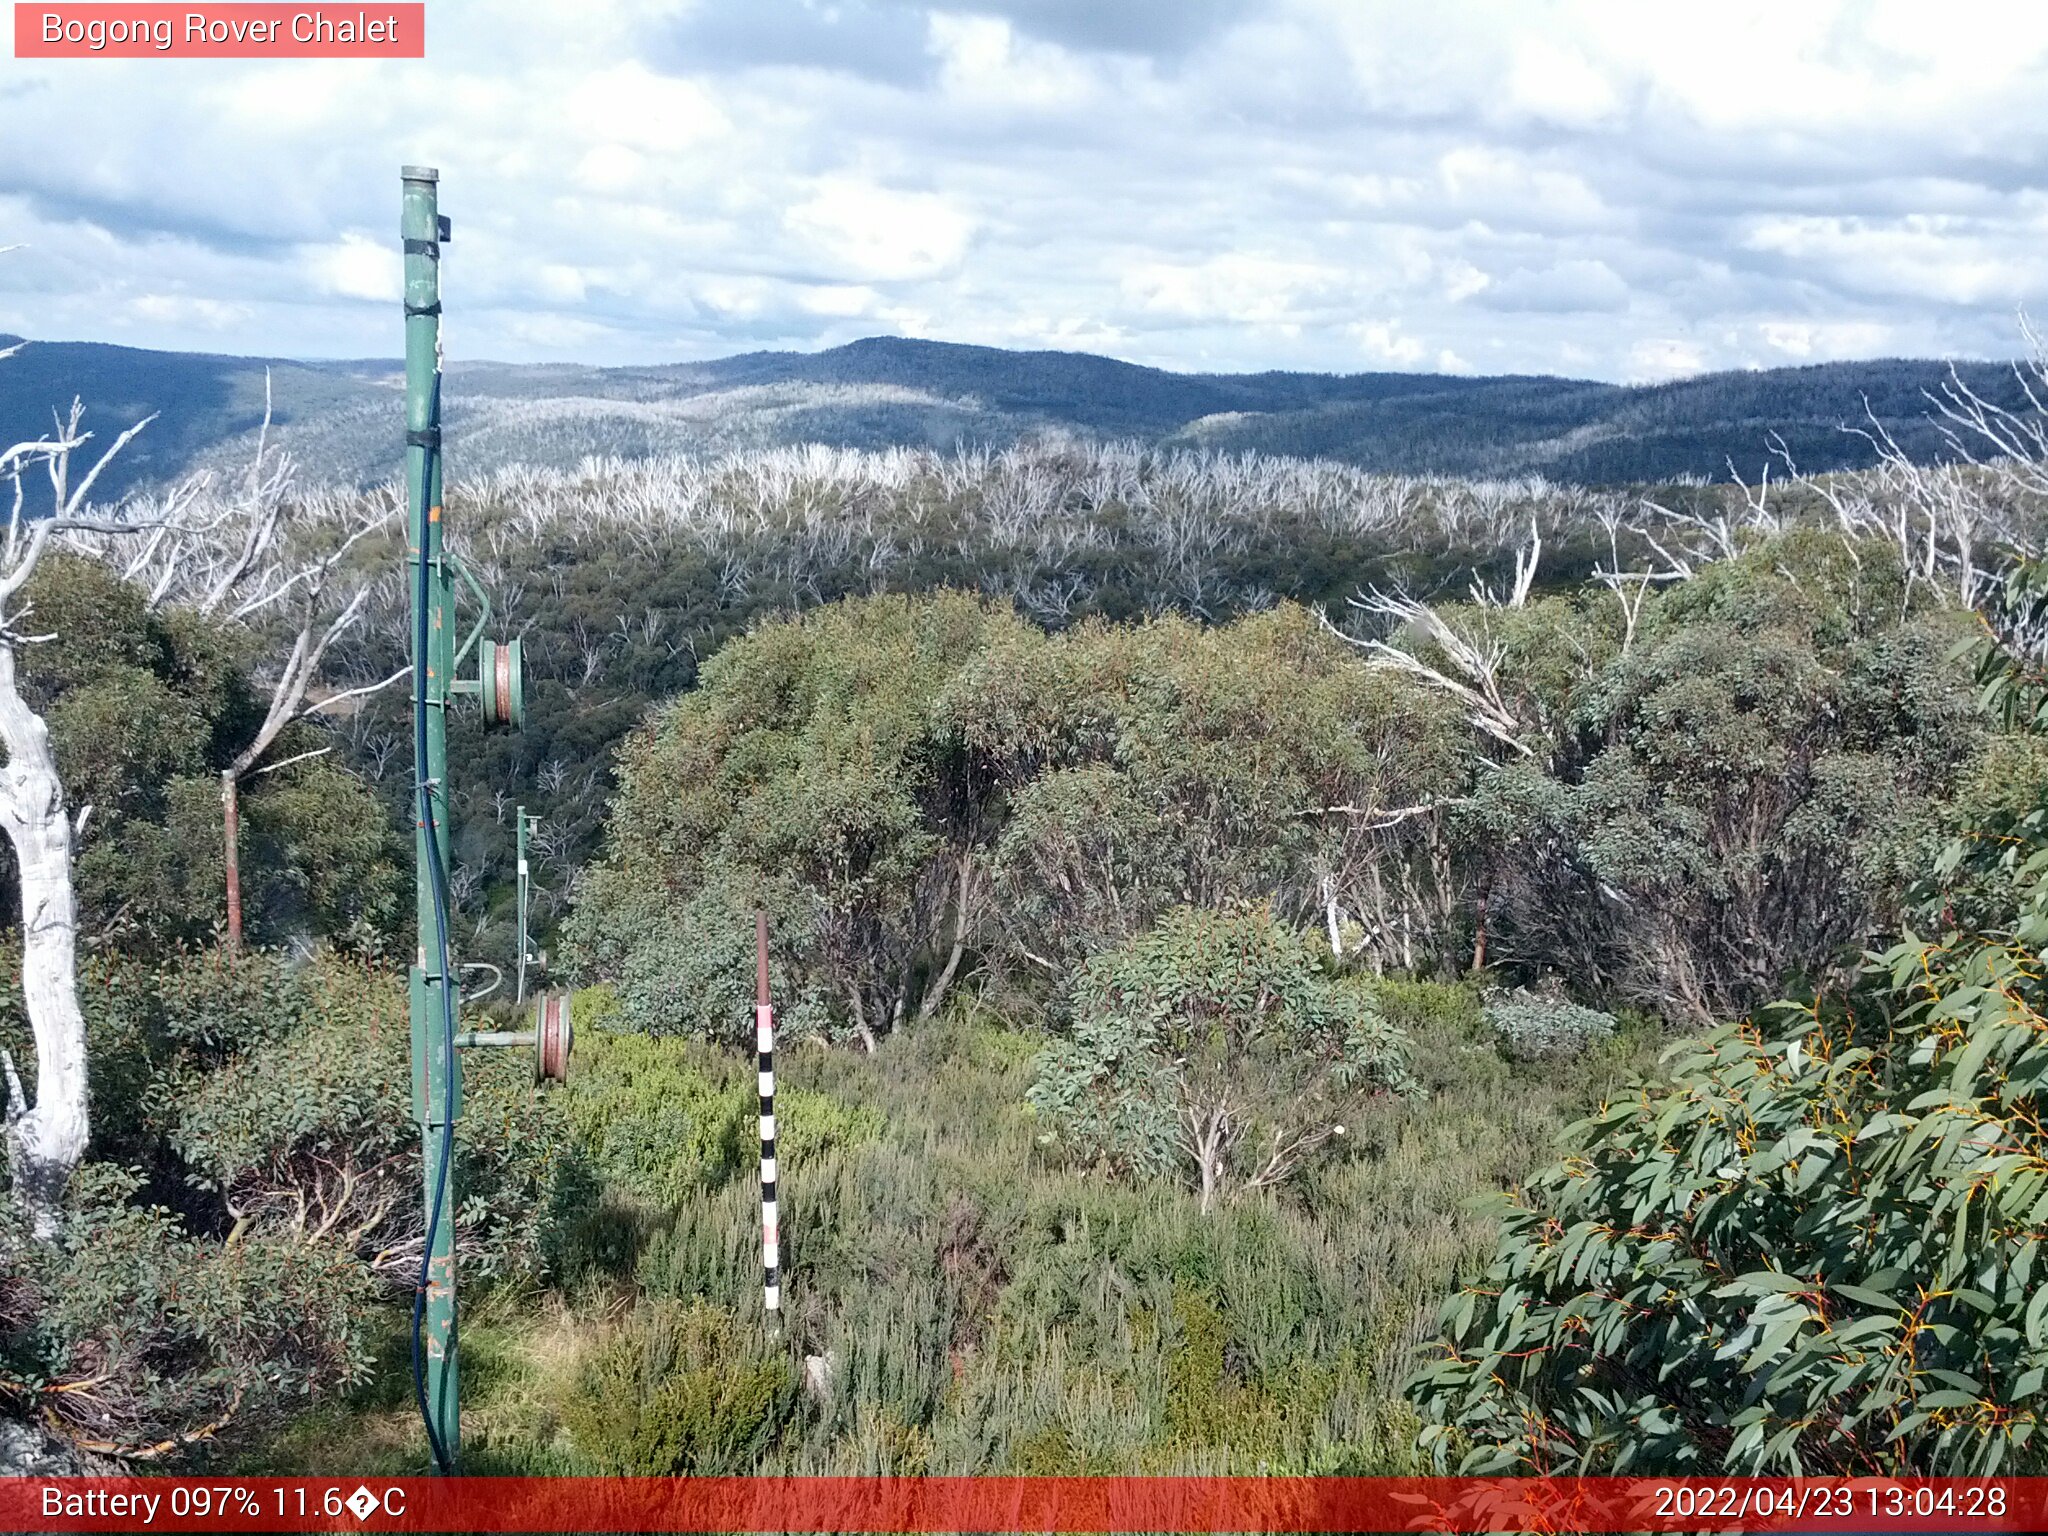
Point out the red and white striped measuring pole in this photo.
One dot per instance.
(764, 1043)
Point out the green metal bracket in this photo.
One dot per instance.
(500, 681)
(483, 617)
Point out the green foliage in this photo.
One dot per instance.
(1721, 796)
(1737, 798)
(135, 1332)
(1213, 1040)
(656, 1119)
(1194, 1366)
(687, 967)
(1813, 1251)
(284, 1096)
(989, 1307)
(1534, 1024)
(145, 707)
(808, 774)
(319, 856)
(215, 1004)
(679, 1388)
(1166, 764)
(902, 784)
(1418, 1006)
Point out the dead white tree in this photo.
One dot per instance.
(1990, 495)
(1631, 588)
(46, 1136)
(1470, 670)
(1526, 559)
(1471, 673)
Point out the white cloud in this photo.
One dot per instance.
(630, 105)
(1489, 181)
(562, 283)
(558, 334)
(839, 300)
(1655, 358)
(357, 267)
(1958, 261)
(182, 309)
(1555, 82)
(1821, 341)
(984, 62)
(611, 168)
(860, 230)
(1599, 186)
(1383, 343)
(1248, 289)
(1462, 280)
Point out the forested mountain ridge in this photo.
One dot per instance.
(338, 418)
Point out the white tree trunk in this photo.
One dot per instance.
(47, 1141)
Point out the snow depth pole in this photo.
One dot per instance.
(436, 1068)
(764, 1042)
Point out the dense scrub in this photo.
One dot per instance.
(1206, 945)
(145, 707)
(1725, 790)
(252, 1208)
(1815, 1248)
(624, 578)
(965, 1295)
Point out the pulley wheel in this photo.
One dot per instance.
(501, 682)
(553, 1034)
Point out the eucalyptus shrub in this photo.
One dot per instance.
(135, 1337)
(305, 1130)
(1818, 1249)
(1214, 1044)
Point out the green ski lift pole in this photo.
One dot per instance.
(436, 1069)
(432, 572)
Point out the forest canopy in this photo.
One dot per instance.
(1727, 796)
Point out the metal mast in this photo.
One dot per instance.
(436, 1068)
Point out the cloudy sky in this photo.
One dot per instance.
(1604, 188)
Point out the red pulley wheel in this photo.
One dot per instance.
(553, 1034)
(501, 682)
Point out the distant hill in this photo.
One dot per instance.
(342, 419)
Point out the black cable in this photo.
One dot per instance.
(424, 787)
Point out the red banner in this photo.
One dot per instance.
(242, 31)
(864, 1504)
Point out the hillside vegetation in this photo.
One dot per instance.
(335, 417)
(1193, 879)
